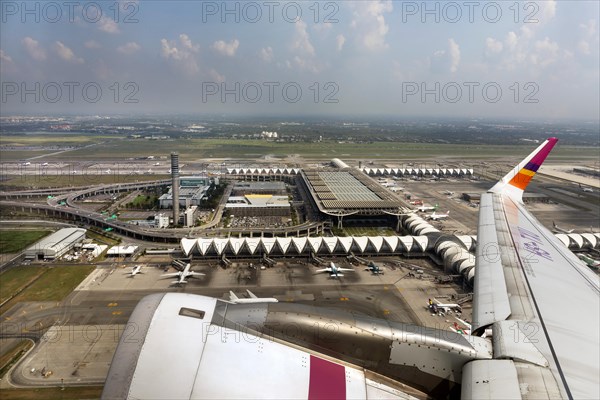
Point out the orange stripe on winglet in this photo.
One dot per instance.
(520, 180)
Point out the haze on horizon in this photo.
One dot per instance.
(495, 60)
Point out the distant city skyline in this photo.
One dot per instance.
(522, 60)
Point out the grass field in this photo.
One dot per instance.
(53, 285)
(46, 181)
(195, 149)
(13, 241)
(69, 393)
(15, 279)
(8, 359)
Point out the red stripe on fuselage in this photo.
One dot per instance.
(327, 380)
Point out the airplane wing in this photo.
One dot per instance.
(543, 306)
(252, 295)
(192, 273)
(345, 269)
(171, 275)
(324, 270)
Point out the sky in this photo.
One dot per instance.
(504, 59)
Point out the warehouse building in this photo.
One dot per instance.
(56, 244)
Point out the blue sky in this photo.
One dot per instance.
(506, 59)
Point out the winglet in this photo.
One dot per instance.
(252, 295)
(232, 296)
(515, 182)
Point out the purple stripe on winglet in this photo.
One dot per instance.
(539, 158)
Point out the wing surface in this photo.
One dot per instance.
(542, 303)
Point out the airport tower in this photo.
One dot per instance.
(175, 183)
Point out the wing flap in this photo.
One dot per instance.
(490, 379)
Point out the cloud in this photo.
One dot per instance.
(301, 41)
(34, 49)
(128, 48)
(215, 76)
(446, 60)
(266, 53)
(182, 53)
(369, 22)
(92, 44)
(108, 25)
(588, 34)
(226, 49)
(5, 57)
(339, 41)
(454, 51)
(493, 46)
(186, 42)
(66, 53)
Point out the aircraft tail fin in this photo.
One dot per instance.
(515, 182)
(232, 296)
(252, 295)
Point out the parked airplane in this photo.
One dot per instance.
(447, 308)
(586, 188)
(44, 164)
(135, 270)
(437, 217)
(185, 273)
(448, 192)
(250, 300)
(334, 271)
(26, 163)
(558, 229)
(375, 269)
(427, 208)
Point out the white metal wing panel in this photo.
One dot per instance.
(566, 296)
(490, 301)
(185, 335)
(250, 360)
(489, 380)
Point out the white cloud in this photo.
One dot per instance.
(454, 51)
(186, 42)
(589, 28)
(216, 76)
(181, 53)
(493, 46)
(92, 44)
(546, 52)
(444, 60)
(584, 47)
(226, 49)
(34, 49)
(301, 41)
(266, 53)
(108, 25)
(66, 53)
(369, 22)
(128, 48)
(339, 41)
(5, 57)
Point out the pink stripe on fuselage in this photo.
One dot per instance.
(327, 380)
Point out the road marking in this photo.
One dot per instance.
(112, 304)
(117, 312)
(344, 299)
